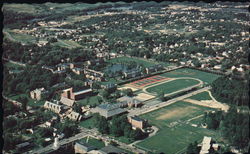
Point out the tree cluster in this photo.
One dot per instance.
(118, 126)
(231, 91)
(233, 125)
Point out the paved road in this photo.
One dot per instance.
(144, 110)
(92, 133)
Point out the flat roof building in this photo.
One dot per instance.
(205, 145)
(109, 110)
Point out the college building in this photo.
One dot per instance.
(137, 122)
(38, 94)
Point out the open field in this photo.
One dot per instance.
(144, 96)
(88, 123)
(94, 142)
(18, 37)
(172, 86)
(12, 66)
(175, 132)
(31, 102)
(186, 72)
(93, 100)
(145, 63)
(201, 96)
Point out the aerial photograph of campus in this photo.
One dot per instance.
(140, 77)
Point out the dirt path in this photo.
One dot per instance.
(208, 103)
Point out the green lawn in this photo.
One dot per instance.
(88, 123)
(186, 72)
(172, 86)
(145, 63)
(23, 38)
(201, 96)
(12, 66)
(174, 112)
(93, 100)
(174, 139)
(31, 102)
(94, 142)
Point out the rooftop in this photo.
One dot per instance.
(82, 91)
(111, 149)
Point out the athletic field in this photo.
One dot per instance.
(176, 129)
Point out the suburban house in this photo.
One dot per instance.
(38, 94)
(154, 68)
(68, 93)
(128, 101)
(137, 122)
(131, 74)
(53, 107)
(82, 148)
(108, 110)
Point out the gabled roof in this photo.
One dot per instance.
(66, 101)
(74, 116)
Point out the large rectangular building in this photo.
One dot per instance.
(109, 110)
(68, 93)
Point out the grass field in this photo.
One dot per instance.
(23, 38)
(88, 123)
(172, 86)
(12, 66)
(186, 72)
(93, 100)
(145, 63)
(201, 96)
(175, 139)
(94, 142)
(31, 102)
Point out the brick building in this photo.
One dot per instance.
(137, 122)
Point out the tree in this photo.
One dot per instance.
(128, 92)
(24, 101)
(105, 94)
(137, 134)
(193, 148)
(161, 96)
